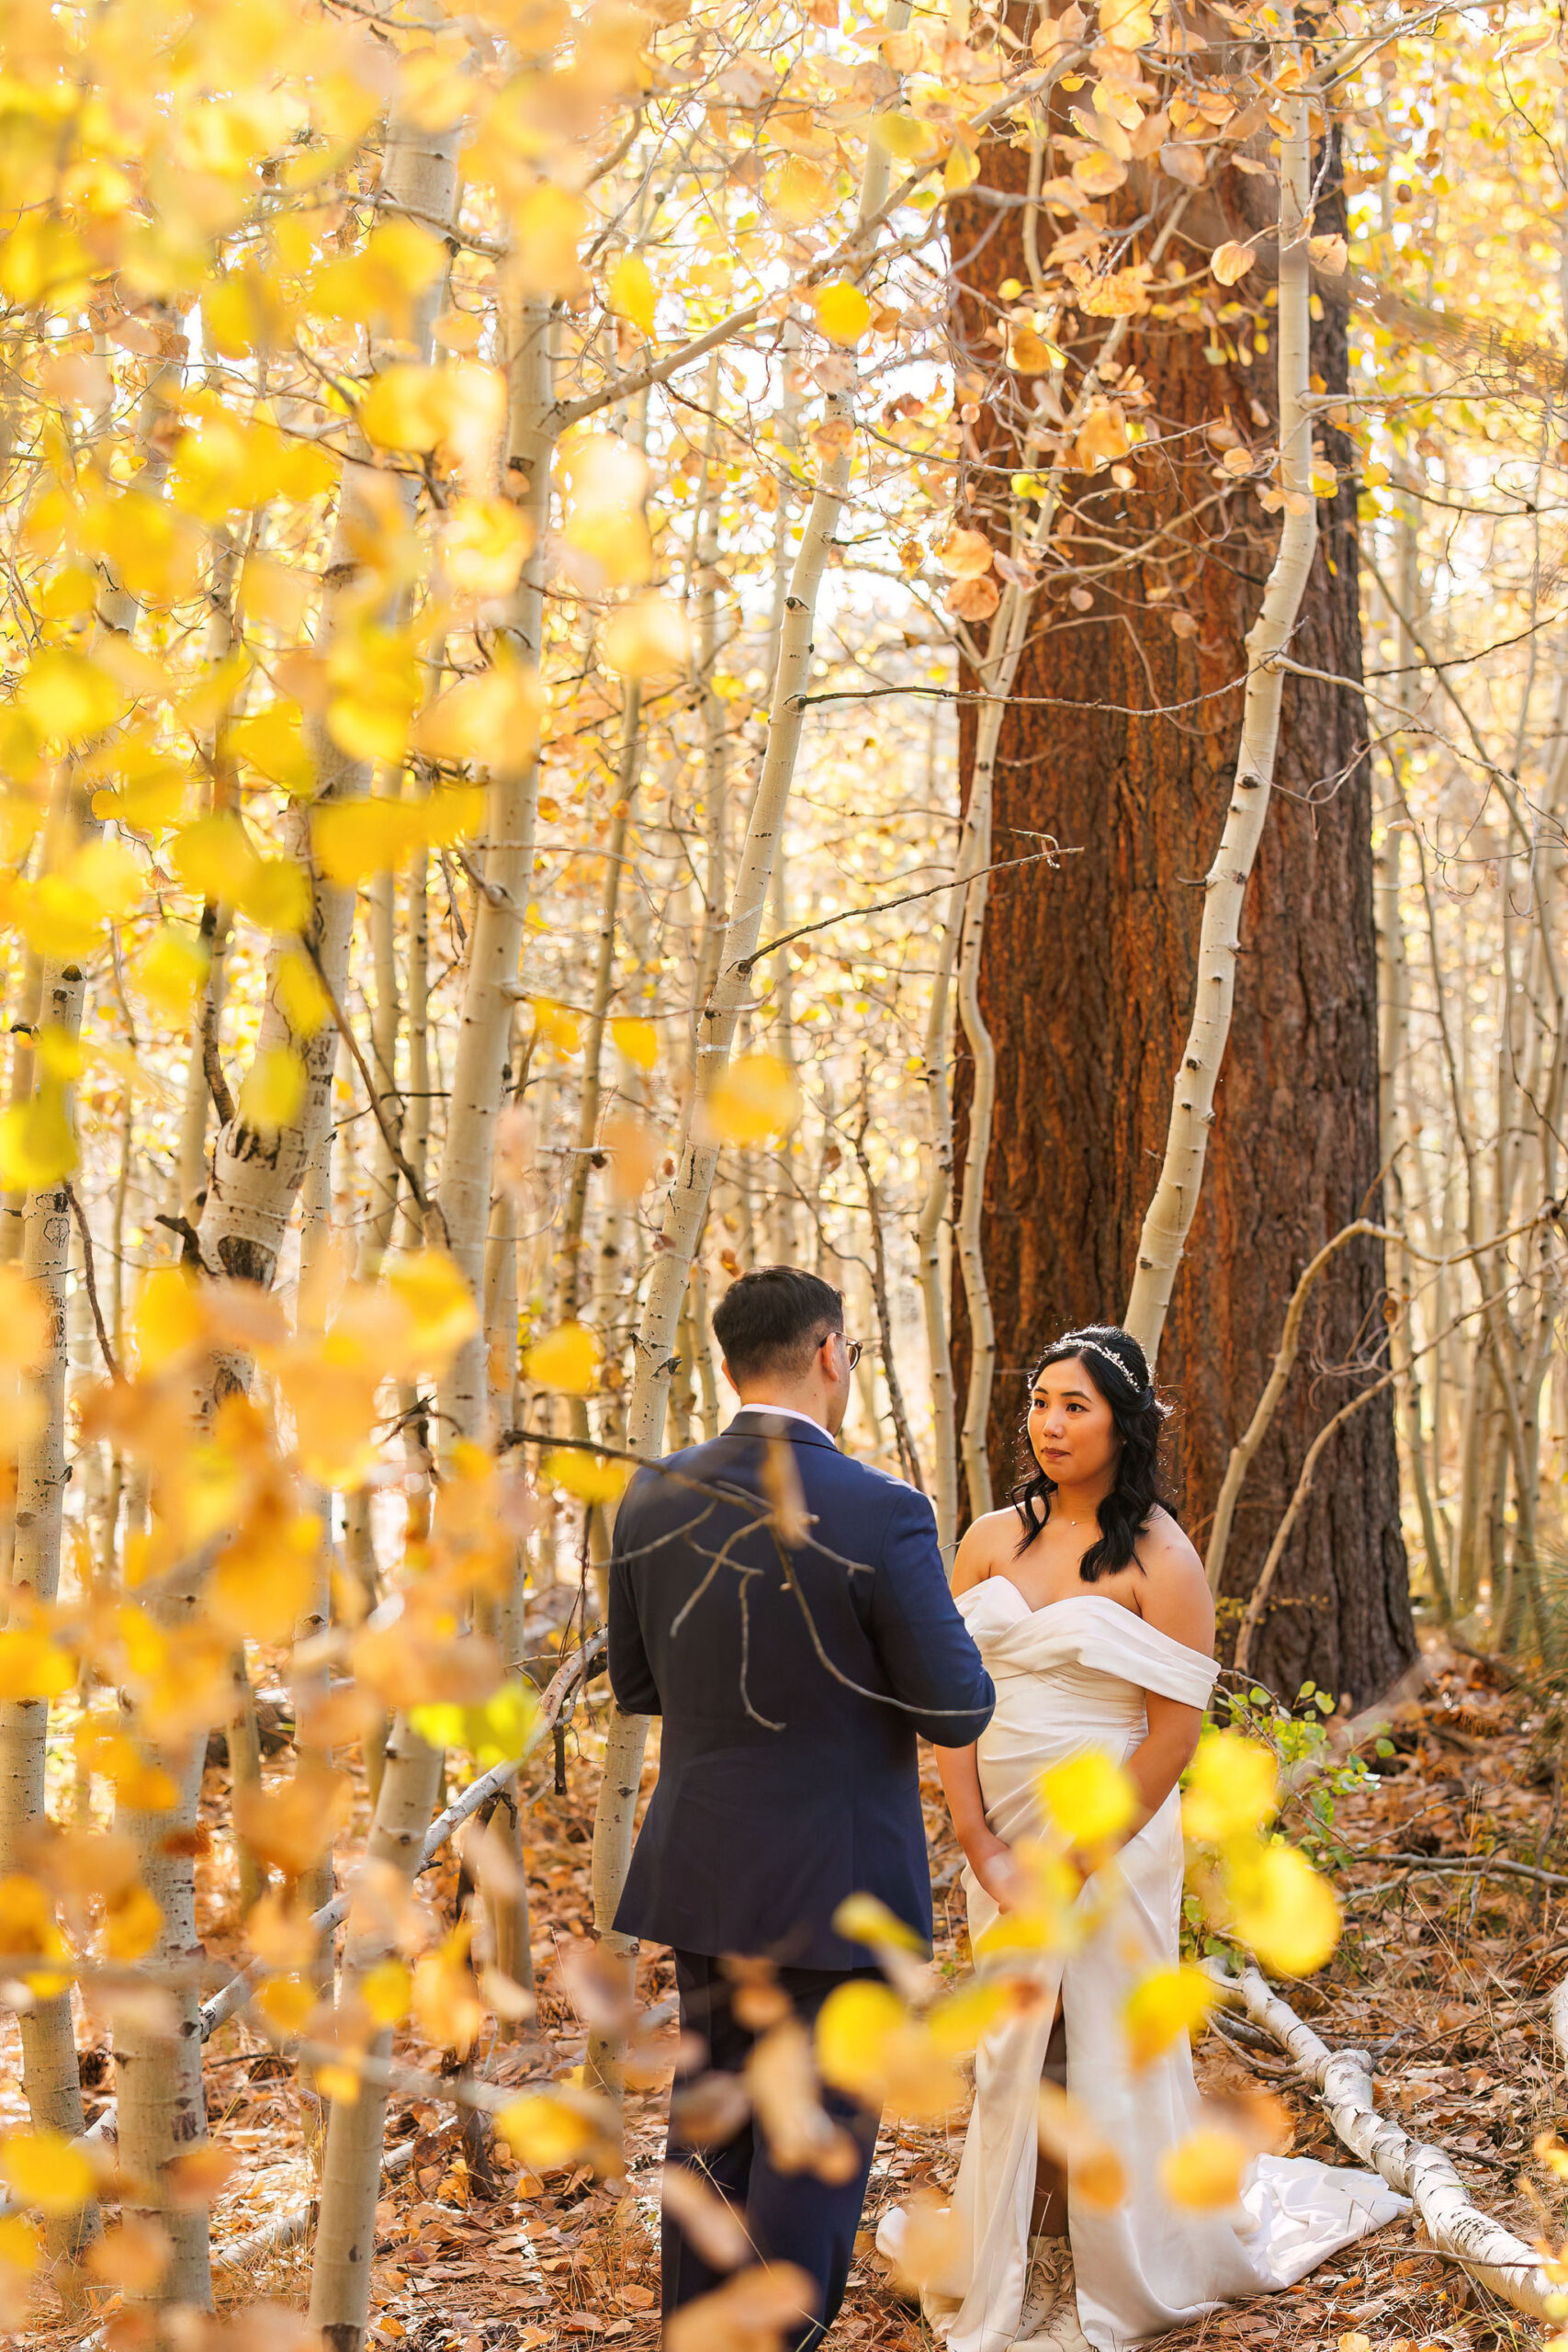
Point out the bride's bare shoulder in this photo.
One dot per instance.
(1174, 1596)
(986, 1544)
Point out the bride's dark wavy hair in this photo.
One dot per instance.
(1117, 1367)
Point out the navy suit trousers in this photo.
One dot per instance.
(788, 2216)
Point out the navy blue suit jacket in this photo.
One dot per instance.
(792, 1687)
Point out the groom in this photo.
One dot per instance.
(794, 1658)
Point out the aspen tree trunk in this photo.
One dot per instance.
(478, 1076)
(350, 2176)
(339, 2279)
(49, 2074)
(1169, 1215)
(685, 1209)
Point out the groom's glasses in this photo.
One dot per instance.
(852, 1349)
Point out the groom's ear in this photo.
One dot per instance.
(724, 1367)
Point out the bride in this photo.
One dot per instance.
(1091, 1611)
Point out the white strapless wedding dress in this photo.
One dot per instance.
(1072, 1675)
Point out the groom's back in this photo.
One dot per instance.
(784, 1608)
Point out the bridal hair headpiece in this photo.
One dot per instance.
(1094, 1347)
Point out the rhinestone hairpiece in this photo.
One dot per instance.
(1110, 1355)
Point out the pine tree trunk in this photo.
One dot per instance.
(1086, 981)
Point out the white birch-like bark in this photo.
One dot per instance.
(1169, 1215)
(685, 1209)
(478, 1076)
(49, 2072)
(1484, 2249)
(345, 2232)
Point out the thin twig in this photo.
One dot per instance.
(89, 1277)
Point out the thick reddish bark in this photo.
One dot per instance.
(1088, 975)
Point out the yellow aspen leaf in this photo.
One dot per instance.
(548, 226)
(272, 1093)
(491, 717)
(213, 858)
(385, 1991)
(1231, 261)
(280, 596)
(38, 1144)
(339, 2083)
(262, 1584)
(444, 1997)
(865, 1919)
(843, 311)
(286, 2002)
(272, 741)
(1279, 1905)
(1232, 1787)
(169, 1320)
(648, 638)
(638, 1040)
(199, 2176)
(961, 168)
(1331, 255)
(854, 2026)
(634, 1149)
(1126, 24)
(406, 407)
(291, 1825)
(1098, 173)
(484, 544)
(973, 600)
(903, 135)
(25, 1320)
(21, 2247)
(69, 696)
(1103, 436)
(798, 192)
(959, 2023)
(132, 2256)
(1168, 2002)
(1204, 2171)
(586, 1475)
(566, 1359)
(302, 1001)
(1032, 354)
(354, 838)
(756, 1097)
(455, 810)
(432, 1290)
(557, 1025)
(132, 1925)
(278, 894)
(545, 2131)
(1069, 2132)
(632, 292)
(32, 1665)
(964, 555)
(169, 971)
(1088, 1799)
(46, 2170)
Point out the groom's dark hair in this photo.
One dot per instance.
(774, 1320)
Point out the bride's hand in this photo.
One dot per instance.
(995, 1867)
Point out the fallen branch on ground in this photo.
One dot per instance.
(1488, 2252)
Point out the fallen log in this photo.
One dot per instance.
(1484, 2249)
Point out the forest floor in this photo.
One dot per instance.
(1445, 1977)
